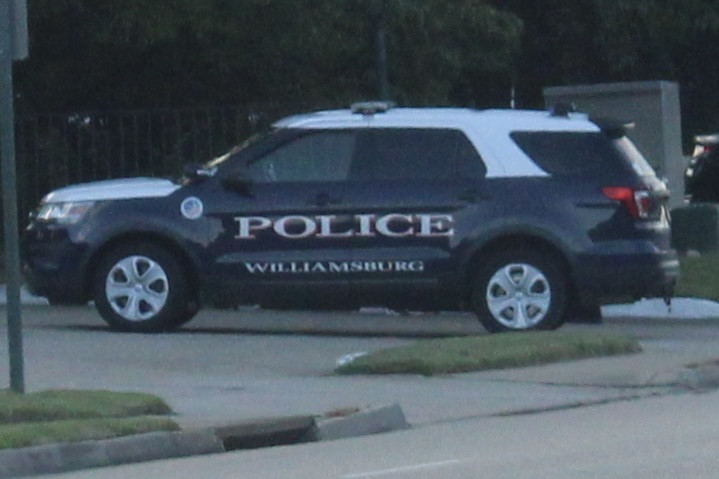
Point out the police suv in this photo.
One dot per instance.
(519, 216)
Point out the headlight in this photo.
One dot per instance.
(64, 213)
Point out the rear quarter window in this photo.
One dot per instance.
(583, 154)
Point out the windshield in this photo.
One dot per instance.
(217, 161)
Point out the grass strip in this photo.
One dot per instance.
(73, 430)
(700, 277)
(60, 404)
(497, 351)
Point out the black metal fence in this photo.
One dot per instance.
(55, 150)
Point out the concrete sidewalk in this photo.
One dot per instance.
(25, 297)
(680, 308)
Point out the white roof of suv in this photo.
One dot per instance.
(488, 130)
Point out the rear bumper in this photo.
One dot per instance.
(627, 270)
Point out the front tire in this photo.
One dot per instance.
(520, 290)
(141, 287)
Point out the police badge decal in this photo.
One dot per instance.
(191, 208)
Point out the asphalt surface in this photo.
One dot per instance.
(668, 437)
(227, 366)
(238, 367)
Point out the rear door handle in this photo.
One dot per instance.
(472, 195)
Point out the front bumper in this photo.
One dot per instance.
(53, 264)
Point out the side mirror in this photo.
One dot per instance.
(195, 171)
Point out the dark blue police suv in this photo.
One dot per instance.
(521, 216)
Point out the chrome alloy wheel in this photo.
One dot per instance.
(518, 296)
(137, 288)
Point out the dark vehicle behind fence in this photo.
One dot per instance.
(701, 177)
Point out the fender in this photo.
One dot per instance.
(524, 230)
(130, 220)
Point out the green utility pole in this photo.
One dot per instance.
(378, 12)
(13, 45)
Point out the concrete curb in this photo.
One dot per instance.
(362, 423)
(65, 457)
(701, 377)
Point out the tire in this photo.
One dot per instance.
(520, 290)
(141, 287)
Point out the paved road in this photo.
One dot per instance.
(228, 366)
(232, 365)
(655, 438)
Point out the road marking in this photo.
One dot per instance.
(416, 467)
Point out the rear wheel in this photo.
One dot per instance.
(141, 287)
(518, 290)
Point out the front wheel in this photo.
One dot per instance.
(141, 287)
(518, 290)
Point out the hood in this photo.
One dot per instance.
(113, 190)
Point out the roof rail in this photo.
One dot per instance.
(563, 109)
(612, 127)
(371, 107)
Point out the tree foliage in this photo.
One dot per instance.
(129, 53)
(594, 41)
(97, 54)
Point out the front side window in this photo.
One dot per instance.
(312, 157)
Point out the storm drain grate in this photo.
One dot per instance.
(268, 433)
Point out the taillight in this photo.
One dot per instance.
(702, 149)
(638, 202)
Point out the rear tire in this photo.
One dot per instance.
(141, 287)
(520, 290)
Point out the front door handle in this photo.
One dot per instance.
(324, 199)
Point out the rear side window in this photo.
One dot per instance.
(587, 154)
(424, 154)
